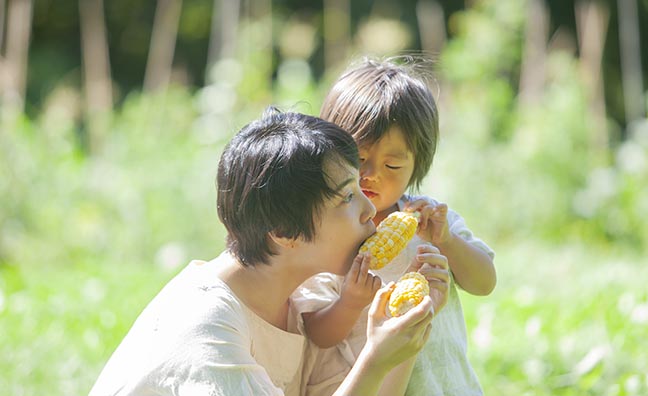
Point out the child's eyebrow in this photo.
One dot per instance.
(397, 155)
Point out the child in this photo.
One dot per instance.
(393, 117)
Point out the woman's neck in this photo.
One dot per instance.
(263, 288)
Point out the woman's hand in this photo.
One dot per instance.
(391, 341)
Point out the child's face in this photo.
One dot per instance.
(345, 221)
(386, 169)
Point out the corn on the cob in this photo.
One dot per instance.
(408, 293)
(391, 237)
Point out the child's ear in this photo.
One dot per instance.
(284, 242)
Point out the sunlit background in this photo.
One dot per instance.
(113, 115)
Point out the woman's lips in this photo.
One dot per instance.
(371, 229)
(369, 194)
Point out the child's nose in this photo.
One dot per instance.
(367, 171)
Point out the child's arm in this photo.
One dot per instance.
(472, 268)
(332, 324)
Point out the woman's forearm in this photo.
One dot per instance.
(365, 378)
(395, 383)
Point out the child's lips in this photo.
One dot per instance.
(369, 194)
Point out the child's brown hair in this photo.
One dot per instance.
(372, 96)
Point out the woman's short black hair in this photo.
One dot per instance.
(271, 178)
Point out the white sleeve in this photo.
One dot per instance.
(317, 292)
(457, 225)
(221, 359)
(187, 343)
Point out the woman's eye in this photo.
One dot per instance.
(348, 198)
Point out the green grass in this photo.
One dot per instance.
(566, 320)
(60, 326)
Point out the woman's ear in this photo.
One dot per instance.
(284, 242)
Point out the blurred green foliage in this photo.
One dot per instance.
(55, 53)
(136, 194)
(564, 320)
(531, 171)
(88, 237)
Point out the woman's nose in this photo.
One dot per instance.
(369, 211)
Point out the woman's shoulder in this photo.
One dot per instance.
(197, 294)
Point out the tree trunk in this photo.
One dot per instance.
(431, 22)
(256, 49)
(532, 73)
(2, 26)
(13, 77)
(224, 29)
(96, 69)
(633, 99)
(337, 32)
(591, 22)
(163, 40)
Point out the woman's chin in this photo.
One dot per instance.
(347, 266)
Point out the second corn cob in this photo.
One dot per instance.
(391, 237)
(408, 293)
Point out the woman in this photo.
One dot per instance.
(289, 196)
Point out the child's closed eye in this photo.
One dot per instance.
(393, 167)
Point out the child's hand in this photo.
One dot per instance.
(433, 221)
(430, 263)
(359, 286)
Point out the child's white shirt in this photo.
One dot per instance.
(442, 367)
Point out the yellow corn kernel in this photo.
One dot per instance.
(391, 237)
(408, 293)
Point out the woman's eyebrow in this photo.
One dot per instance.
(343, 184)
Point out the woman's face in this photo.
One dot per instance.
(345, 221)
